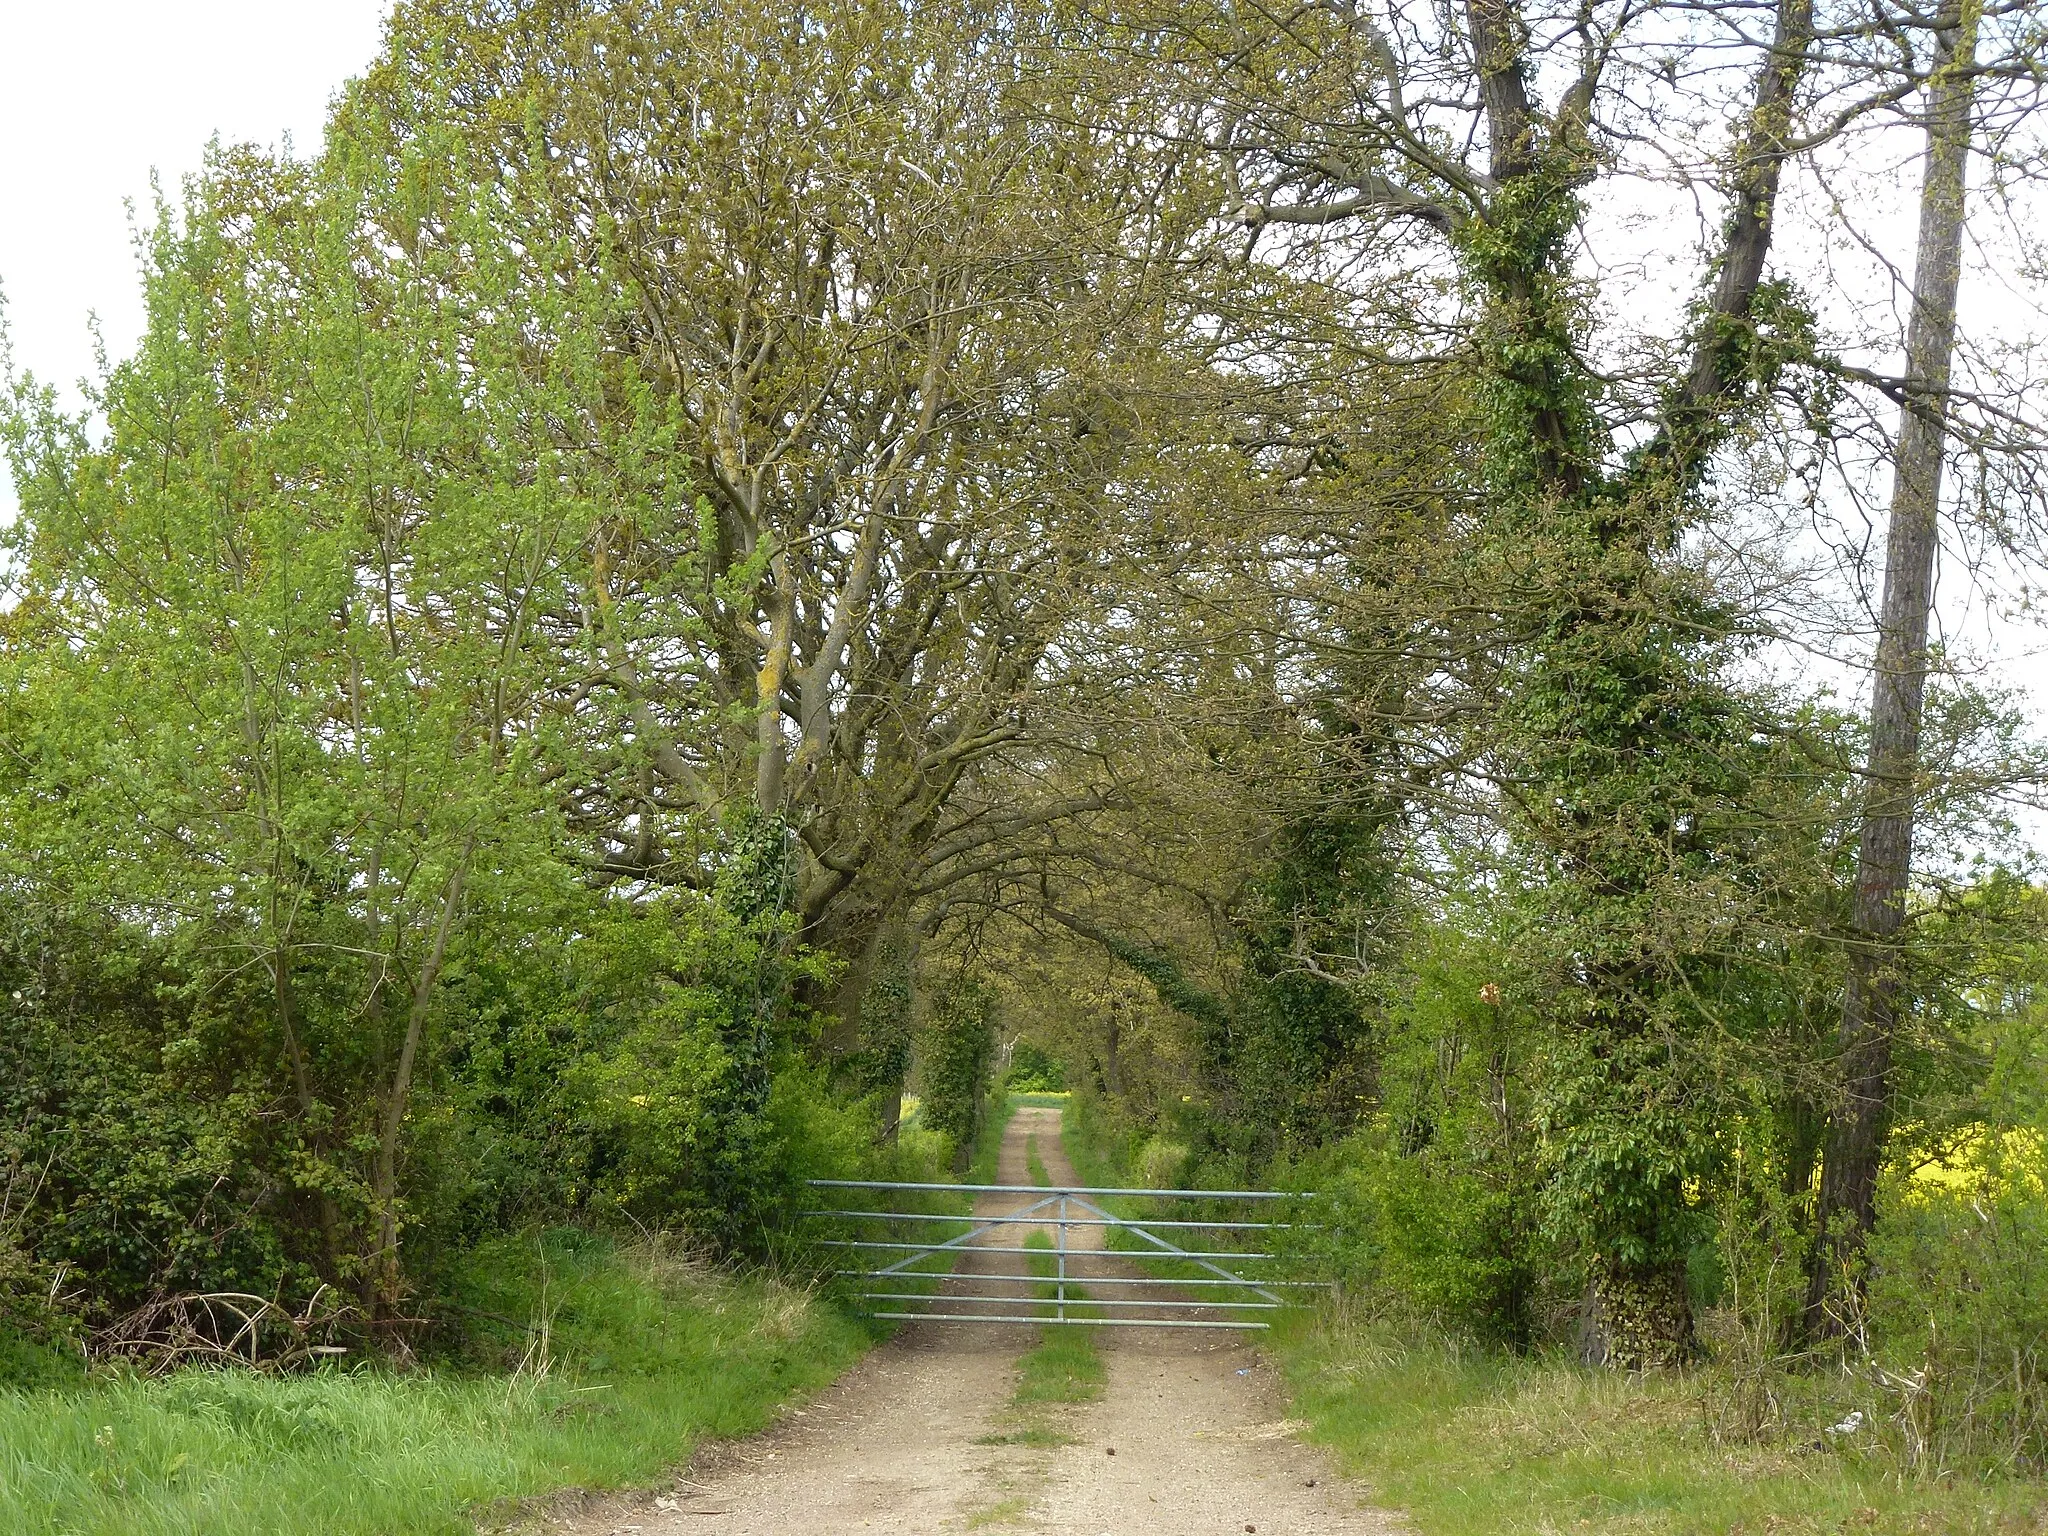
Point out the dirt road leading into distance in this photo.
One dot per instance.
(921, 1438)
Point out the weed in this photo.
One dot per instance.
(1004, 1513)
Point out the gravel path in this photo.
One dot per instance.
(1186, 1440)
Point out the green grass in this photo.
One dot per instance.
(1036, 1436)
(644, 1356)
(1468, 1442)
(1034, 1162)
(1064, 1366)
(989, 1148)
(1004, 1512)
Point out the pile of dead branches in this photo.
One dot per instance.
(227, 1328)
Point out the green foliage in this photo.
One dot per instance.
(677, 1097)
(1298, 1059)
(1033, 1071)
(135, 1147)
(1284, 1054)
(1957, 1270)
(33, 1361)
(1624, 1146)
(1438, 1247)
(270, 699)
(888, 1019)
(1958, 1316)
(474, 756)
(956, 1050)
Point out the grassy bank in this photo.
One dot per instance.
(622, 1360)
(1468, 1442)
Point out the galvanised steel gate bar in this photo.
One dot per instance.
(1069, 1300)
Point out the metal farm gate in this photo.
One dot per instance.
(902, 1263)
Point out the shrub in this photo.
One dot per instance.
(956, 1048)
(1432, 1243)
(1958, 1320)
(1163, 1164)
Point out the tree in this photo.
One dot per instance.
(1871, 1005)
(271, 692)
(1617, 742)
(858, 295)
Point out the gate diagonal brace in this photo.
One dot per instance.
(1174, 1250)
(900, 1266)
(1075, 1208)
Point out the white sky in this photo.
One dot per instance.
(98, 94)
(95, 94)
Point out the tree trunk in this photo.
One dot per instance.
(329, 1215)
(1870, 1011)
(1637, 1318)
(381, 1275)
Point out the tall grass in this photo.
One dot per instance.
(622, 1360)
(1469, 1441)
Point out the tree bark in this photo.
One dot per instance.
(1870, 1010)
(380, 1276)
(1638, 1318)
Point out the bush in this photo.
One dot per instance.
(956, 1048)
(1432, 1244)
(141, 1145)
(1958, 1321)
(642, 1062)
(1163, 1164)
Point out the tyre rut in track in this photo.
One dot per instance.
(1188, 1437)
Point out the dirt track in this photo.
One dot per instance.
(913, 1440)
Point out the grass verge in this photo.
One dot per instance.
(631, 1357)
(1468, 1442)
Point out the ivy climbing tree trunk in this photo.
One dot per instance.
(1884, 850)
(1620, 735)
(1618, 739)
